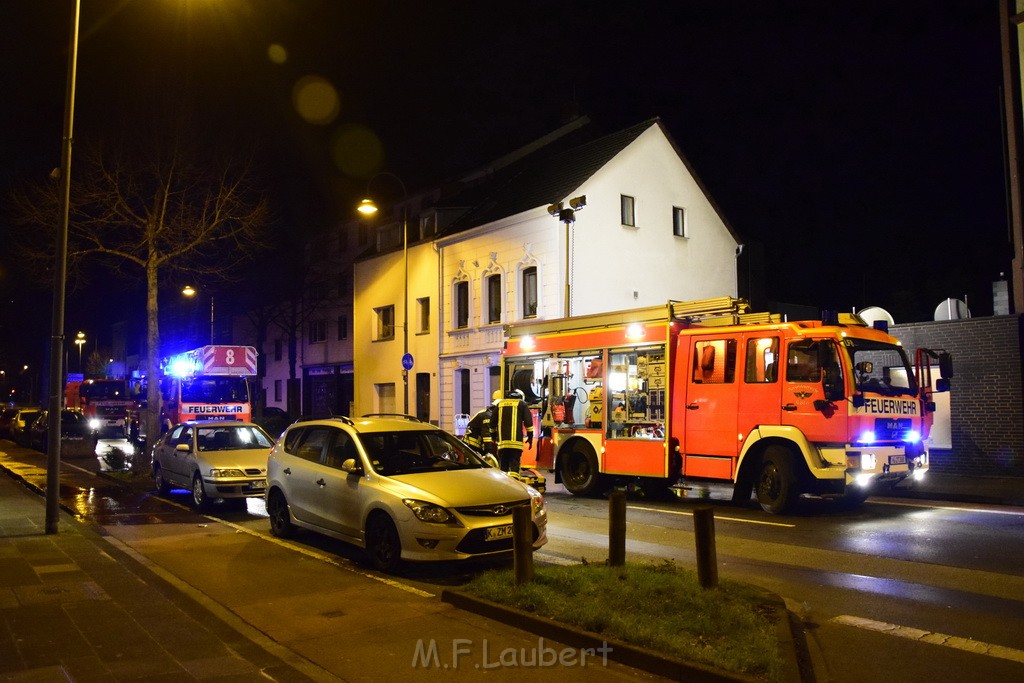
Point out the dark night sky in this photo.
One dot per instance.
(860, 143)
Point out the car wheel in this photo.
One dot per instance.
(579, 471)
(162, 485)
(383, 545)
(199, 498)
(280, 519)
(777, 485)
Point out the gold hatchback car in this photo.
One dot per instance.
(400, 488)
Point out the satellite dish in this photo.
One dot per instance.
(872, 314)
(952, 309)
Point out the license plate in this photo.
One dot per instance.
(897, 460)
(496, 533)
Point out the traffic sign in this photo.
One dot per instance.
(407, 361)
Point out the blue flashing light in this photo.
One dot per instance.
(867, 436)
(180, 367)
(913, 436)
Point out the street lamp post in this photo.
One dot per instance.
(367, 207)
(80, 342)
(59, 283)
(190, 291)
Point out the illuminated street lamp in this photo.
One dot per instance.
(368, 207)
(191, 291)
(80, 342)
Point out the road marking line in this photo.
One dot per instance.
(1013, 512)
(966, 644)
(727, 519)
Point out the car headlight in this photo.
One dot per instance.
(428, 512)
(225, 472)
(94, 423)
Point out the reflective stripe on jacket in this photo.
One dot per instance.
(478, 431)
(510, 420)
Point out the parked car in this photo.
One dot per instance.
(6, 415)
(274, 420)
(399, 488)
(76, 436)
(213, 460)
(20, 423)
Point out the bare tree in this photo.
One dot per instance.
(157, 213)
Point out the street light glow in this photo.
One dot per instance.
(367, 207)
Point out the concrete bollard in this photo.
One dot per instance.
(704, 533)
(617, 529)
(522, 543)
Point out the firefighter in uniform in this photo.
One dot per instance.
(478, 431)
(511, 418)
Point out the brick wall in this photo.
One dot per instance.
(987, 392)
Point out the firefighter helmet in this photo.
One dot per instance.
(496, 396)
(517, 393)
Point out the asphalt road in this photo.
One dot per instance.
(896, 590)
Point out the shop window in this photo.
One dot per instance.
(762, 361)
(494, 296)
(385, 323)
(460, 300)
(628, 210)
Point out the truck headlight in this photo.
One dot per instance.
(94, 424)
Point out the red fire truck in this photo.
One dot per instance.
(208, 383)
(105, 403)
(708, 390)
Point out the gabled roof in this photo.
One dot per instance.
(546, 176)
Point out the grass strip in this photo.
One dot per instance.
(661, 607)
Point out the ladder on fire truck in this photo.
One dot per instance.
(722, 310)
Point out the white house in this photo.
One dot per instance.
(642, 231)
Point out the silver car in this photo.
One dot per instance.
(400, 488)
(213, 460)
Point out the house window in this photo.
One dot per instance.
(679, 222)
(317, 331)
(461, 302)
(278, 349)
(277, 390)
(463, 392)
(529, 295)
(428, 225)
(385, 394)
(385, 323)
(494, 298)
(423, 315)
(628, 207)
(342, 327)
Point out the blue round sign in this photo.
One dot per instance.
(407, 361)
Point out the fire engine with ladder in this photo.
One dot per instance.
(707, 390)
(207, 383)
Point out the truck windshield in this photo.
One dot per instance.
(214, 390)
(100, 391)
(881, 368)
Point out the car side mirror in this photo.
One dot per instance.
(942, 384)
(183, 447)
(350, 466)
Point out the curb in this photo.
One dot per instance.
(632, 655)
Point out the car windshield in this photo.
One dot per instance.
(100, 390)
(396, 453)
(881, 368)
(221, 438)
(215, 390)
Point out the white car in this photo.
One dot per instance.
(213, 460)
(400, 488)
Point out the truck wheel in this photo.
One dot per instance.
(579, 471)
(777, 486)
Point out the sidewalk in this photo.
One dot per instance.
(166, 594)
